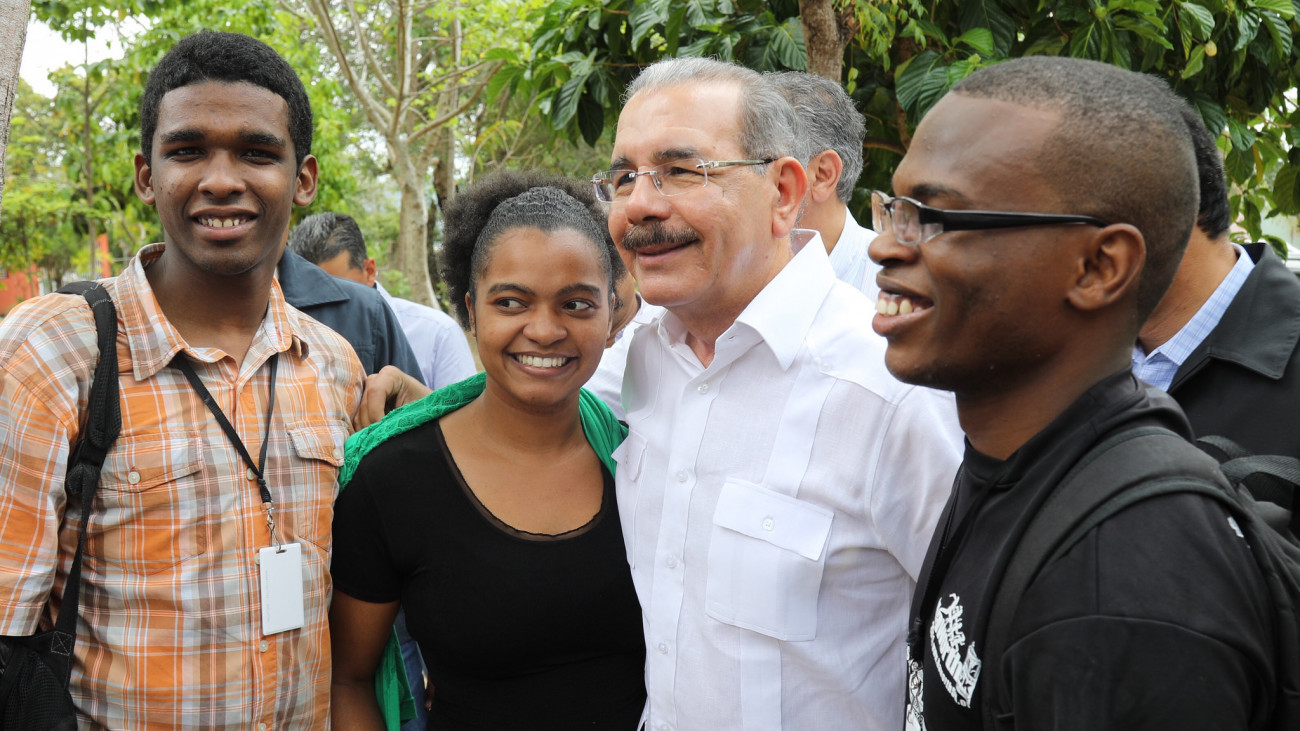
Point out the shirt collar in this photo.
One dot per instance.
(1178, 348)
(153, 341)
(780, 315)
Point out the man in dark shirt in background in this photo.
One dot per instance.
(1225, 339)
(1158, 617)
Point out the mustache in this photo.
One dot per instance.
(646, 235)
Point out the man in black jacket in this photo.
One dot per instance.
(1041, 212)
(1225, 339)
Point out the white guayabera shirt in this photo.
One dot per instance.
(777, 507)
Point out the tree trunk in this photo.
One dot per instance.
(412, 251)
(13, 33)
(826, 33)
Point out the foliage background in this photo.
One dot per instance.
(553, 74)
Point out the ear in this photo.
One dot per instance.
(613, 333)
(1110, 267)
(823, 175)
(307, 172)
(791, 187)
(143, 180)
(370, 271)
(469, 308)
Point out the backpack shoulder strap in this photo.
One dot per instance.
(1096, 487)
(103, 424)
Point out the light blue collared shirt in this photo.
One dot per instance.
(1158, 367)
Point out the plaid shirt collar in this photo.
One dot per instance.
(154, 342)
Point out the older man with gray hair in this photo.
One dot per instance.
(778, 486)
(831, 132)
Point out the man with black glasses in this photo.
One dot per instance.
(1020, 254)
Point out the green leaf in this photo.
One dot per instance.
(591, 119)
(922, 83)
(1286, 195)
(1243, 137)
(1240, 165)
(981, 39)
(788, 45)
(504, 77)
(1280, 31)
(988, 14)
(1283, 8)
(643, 19)
(1194, 63)
(1201, 18)
(566, 102)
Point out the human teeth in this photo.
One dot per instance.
(538, 362)
(221, 222)
(893, 304)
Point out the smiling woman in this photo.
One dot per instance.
(487, 509)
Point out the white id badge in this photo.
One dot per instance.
(281, 574)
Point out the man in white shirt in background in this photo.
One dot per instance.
(333, 242)
(778, 487)
(832, 129)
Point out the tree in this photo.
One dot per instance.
(96, 120)
(40, 208)
(1235, 61)
(405, 62)
(13, 32)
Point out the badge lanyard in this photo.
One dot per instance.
(183, 364)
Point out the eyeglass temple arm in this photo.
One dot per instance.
(980, 220)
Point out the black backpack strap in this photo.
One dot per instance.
(87, 458)
(1098, 486)
(1268, 478)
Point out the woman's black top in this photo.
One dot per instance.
(518, 630)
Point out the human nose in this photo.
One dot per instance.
(885, 249)
(646, 202)
(545, 326)
(221, 178)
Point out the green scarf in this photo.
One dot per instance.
(603, 430)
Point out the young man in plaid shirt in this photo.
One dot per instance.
(205, 582)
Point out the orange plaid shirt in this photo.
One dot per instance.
(170, 630)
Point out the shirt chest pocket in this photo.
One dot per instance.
(767, 552)
(308, 510)
(149, 510)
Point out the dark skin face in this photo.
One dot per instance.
(1016, 322)
(223, 178)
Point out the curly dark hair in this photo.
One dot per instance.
(470, 218)
(230, 58)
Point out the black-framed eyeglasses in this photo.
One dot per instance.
(671, 178)
(913, 223)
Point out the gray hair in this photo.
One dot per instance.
(323, 236)
(768, 126)
(828, 120)
(1121, 152)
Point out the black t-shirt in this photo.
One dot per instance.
(1157, 619)
(519, 631)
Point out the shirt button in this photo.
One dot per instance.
(702, 388)
(663, 648)
(672, 562)
(338, 453)
(681, 475)
(261, 727)
(263, 646)
(251, 474)
(133, 477)
(768, 523)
